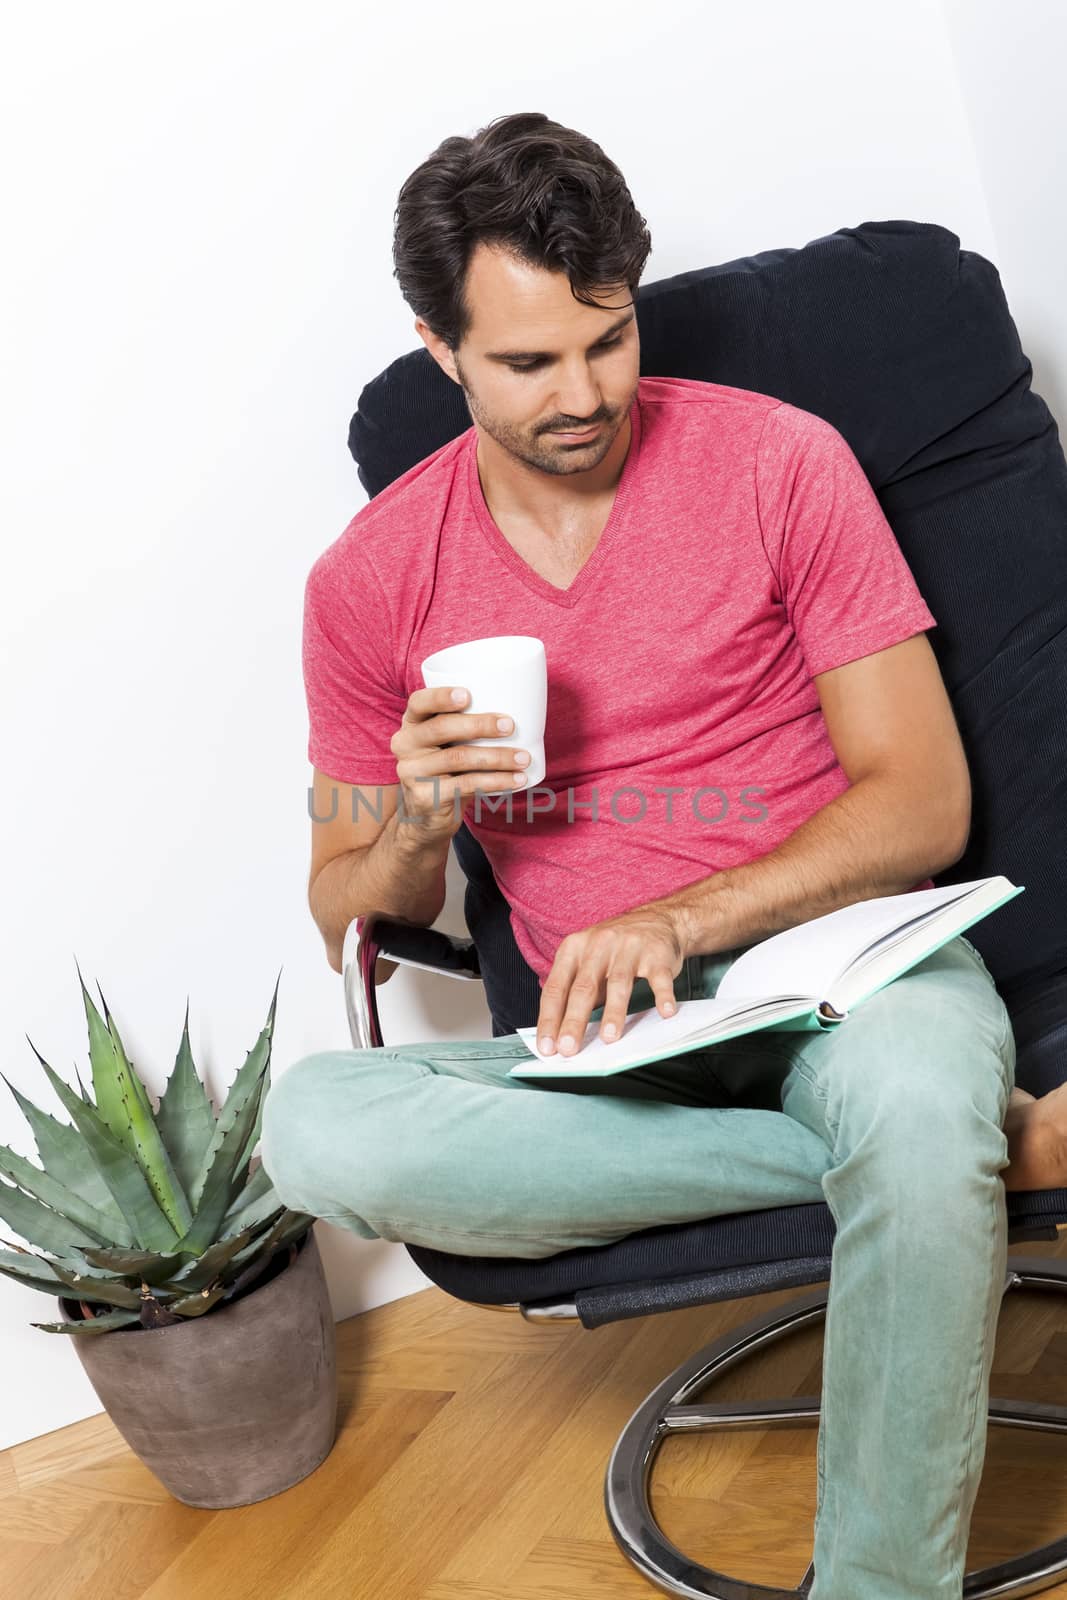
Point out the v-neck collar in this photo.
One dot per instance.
(511, 557)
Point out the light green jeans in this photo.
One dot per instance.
(894, 1118)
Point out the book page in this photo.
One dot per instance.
(809, 958)
(890, 958)
(647, 1027)
(648, 1036)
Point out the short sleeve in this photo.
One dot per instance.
(844, 582)
(354, 704)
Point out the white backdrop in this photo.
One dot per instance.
(198, 283)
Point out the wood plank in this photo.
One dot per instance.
(469, 1465)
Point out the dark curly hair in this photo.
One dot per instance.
(530, 185)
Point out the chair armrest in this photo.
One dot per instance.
(367, 938)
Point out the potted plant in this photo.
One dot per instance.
(196, 1300)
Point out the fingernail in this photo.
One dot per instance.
(504, 724)
(546, 1045)
(610, 1030)
(459, 695)
(668, 1007)
(566, 1043)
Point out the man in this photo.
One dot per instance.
(725, 613)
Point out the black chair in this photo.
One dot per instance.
(905, 343)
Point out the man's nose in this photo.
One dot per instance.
(578, 401)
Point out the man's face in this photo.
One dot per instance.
(536, 361)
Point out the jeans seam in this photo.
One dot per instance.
(403, 1224)
(820, 1445)
(489, 1055)
(1007, 1034)
(812, 1082)
(992, 1315)
(834, 1127)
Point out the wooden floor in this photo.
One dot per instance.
(469, 1465)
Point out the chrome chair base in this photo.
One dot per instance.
(665, 1411)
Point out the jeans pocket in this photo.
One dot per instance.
(505, 1046)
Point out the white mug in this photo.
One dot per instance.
(508, 674)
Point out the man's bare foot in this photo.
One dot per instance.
(1037, 1140)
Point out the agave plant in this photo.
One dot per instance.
(156, 1212)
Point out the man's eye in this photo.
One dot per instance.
(532, 366)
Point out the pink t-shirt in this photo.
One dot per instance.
(745, 552)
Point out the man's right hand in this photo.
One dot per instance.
(429, 744)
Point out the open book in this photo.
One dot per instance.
(808, 978)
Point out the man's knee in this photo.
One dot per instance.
(926, 1071)
(288, 1131)
(944, 1014)
(313, 1140)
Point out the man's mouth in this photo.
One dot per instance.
(572, 437)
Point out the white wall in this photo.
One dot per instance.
(1010, 67)
(198, 283)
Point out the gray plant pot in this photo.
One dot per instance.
(234, 1406)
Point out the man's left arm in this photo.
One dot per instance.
(905, 817)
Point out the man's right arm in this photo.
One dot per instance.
(365, 858)
(370, 853)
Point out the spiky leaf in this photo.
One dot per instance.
(123, 1106)
(251, 1262)
(112, 1292)
(195, 1305)
(252, 1245)
(240, 1171)
(104, 1064)
(245, 1087)
(90, 1325)
(292, 1226)
(214, 1194)
(55, 1194)
(259, 1186)
(120, 1171)
(206, 1268)
(29, 1269)
(289, 1226)
(150, 1148)
(150, 1265)
(218, 1187)
(264, 1216)
(63, 1153)
(259, 1248)
(39, 1224)
(186, 1117)
(36, 1273)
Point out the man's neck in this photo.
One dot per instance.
(556, 505)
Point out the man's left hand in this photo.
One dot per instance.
(598, 965)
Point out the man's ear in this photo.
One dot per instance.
(438, 349)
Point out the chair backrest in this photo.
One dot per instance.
(904, 342)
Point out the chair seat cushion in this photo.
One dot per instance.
(688, 1263)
